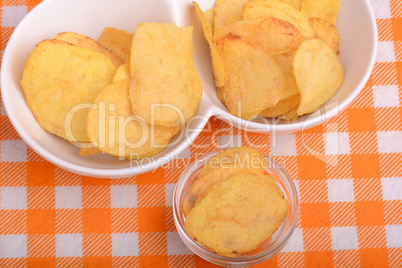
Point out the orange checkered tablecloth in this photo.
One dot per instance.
(350, 212)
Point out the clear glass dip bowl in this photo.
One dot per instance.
(267, 249)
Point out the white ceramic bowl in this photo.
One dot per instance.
(356, 25)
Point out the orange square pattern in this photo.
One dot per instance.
(319, 258)
(152, 219)
(374, 257)
(369, 213)
(310, 168)
(41, 221)
(104, 223)
(94, 262)
(315, 215)
(40, 174)
(96, 220)
(361, 120)
(40, 262)
(366, 166)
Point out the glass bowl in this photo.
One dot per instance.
(267, 249)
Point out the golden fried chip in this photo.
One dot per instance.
(322, 9)
(165, 76)
(216, 56)
(123, 72)
(210, 16)
(318, 74)
(283, 107)
(238, 157)
(294, 3)
(220, 167)
(115, 130)
(291, 115)
(254, 80)
(116, 40)
(237, 214)
(285, 62)
(59, 79)
(88, 151)
(84, 41)
(326, 32)
(259, 9)
(227, 11)
(273, 35)
(219, 94)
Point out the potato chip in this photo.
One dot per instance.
(259, 9)
(318, 74)
(283, 107)
(273, 35)
(285, 62)
(227, 11)
(254, 80)
(123, 72)
(210, 16)
(59, 79)
(88, 151)
(291, 115)
(219, 94)
(216, 56)
(322, 9)
(166, 84)
(237, 214)
(326, 32)
(115, 130)
(294, 3)
(291, 96)
(84, 41)
(239, 157)
(225, 164)
(116, 40)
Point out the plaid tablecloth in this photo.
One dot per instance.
(351, 203)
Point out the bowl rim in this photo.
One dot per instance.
(234, 261)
